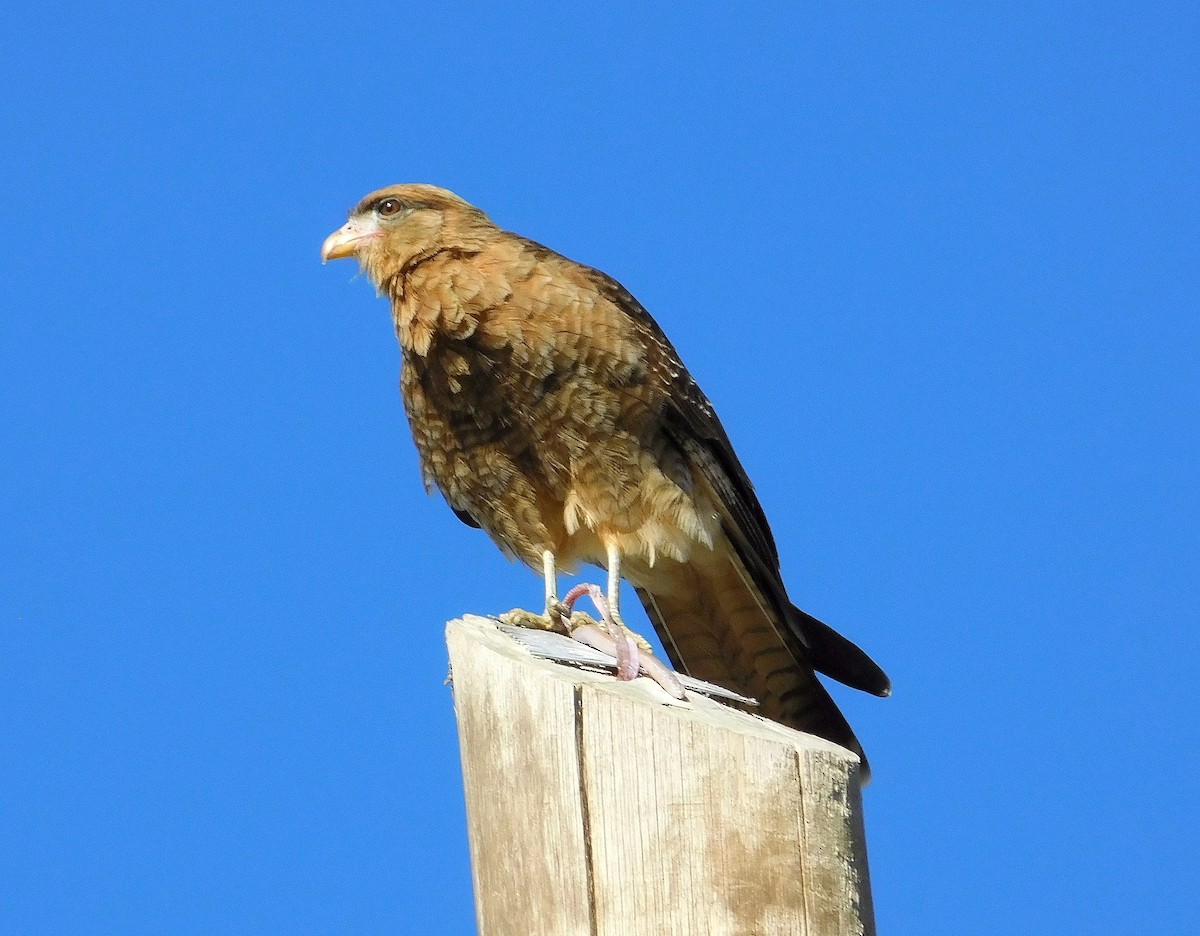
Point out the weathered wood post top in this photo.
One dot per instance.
(605, 808)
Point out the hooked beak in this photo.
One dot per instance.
(347, 240)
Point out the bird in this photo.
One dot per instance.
(551, 411)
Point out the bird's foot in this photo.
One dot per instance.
(632, 651)
(550, 621)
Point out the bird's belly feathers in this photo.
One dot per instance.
(546, 461)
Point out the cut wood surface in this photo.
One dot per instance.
(605, 808)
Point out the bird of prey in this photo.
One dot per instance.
(552, 412)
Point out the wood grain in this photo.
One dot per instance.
(598, 808)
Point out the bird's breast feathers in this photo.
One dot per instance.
(534, 411)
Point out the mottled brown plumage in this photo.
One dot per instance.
(551, 411)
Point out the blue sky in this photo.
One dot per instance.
(936, 266)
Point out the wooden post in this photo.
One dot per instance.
(598, 808)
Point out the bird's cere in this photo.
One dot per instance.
(347, 240)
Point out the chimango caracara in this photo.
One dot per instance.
(553, 413)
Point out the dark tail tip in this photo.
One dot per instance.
(839, 658)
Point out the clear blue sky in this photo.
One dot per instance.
(936, 267)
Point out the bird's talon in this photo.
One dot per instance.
(559, 614)
(519, 617)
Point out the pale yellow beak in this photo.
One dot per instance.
(347, 240)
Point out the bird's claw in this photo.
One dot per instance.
(519, 617)
(558, 620)
(559, 614)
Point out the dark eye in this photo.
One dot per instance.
(389, 207)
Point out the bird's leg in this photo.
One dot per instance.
(627, 650)
(614, 582)
(554, 608)
(614, 599)
(557, 615)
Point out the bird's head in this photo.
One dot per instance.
(394, 225)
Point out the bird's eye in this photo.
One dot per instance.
(389, 207)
